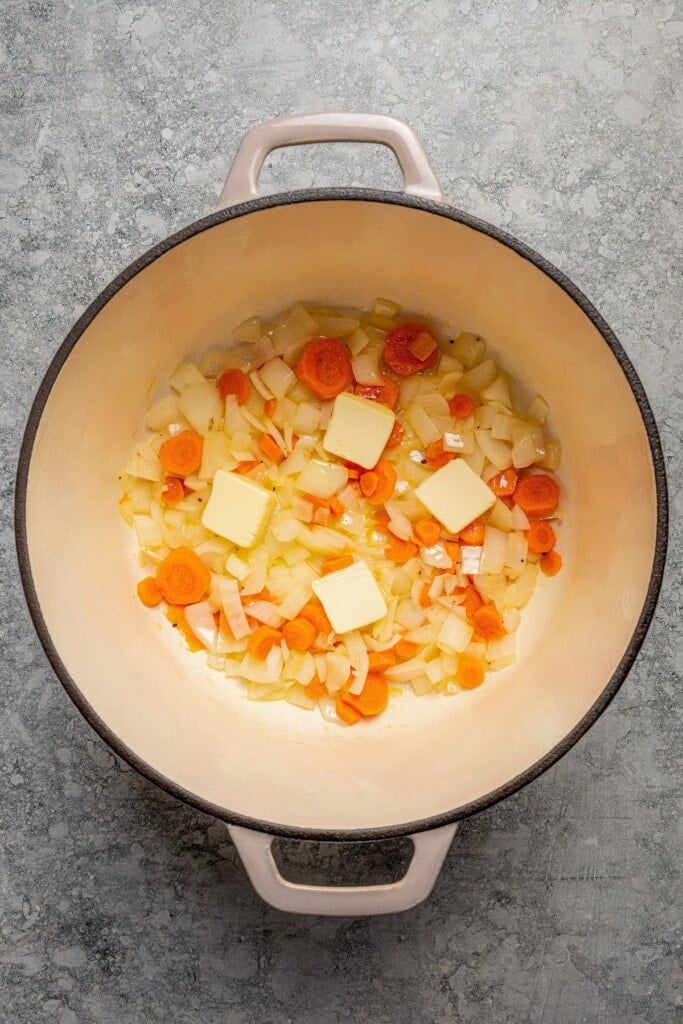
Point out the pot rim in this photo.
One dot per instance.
(327, 195)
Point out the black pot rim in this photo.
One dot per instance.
(433, 821)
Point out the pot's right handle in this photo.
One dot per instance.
(343, 901)
(241, 183)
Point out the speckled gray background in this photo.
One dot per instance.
(556, 120)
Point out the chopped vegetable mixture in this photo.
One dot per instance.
(343, 504)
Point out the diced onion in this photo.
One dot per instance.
(248, 330)
(497, 452)
(263, 390)
(503, 648)
(147, 531)
(470, 559)
(338, 671)
(232, 606)
(455, 634)
(237, 568)
(322, 540)
(186, 375)
(399, 524)
(366, 367)
(436, 555)
(266, 612)
(424, 427)
(517, 547)
(323, 478)
(358, 656)
(296, 695)
(199, 618)
(481, 376)
(498, 391)
(277, 376)
(528, 445)
(357, 341)
(519, 592)
(494, 551)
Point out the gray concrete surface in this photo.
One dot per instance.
(553, 119)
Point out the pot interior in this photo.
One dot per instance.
(272, 762)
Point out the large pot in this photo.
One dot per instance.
(270, 769)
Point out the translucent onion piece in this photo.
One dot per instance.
(366, 367)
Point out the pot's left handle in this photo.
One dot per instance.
(343, 901)
(241, 183)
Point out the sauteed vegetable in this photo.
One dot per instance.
(342, 503)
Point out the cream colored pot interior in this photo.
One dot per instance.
(272, 761)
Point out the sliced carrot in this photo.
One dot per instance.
(386, 475)
(423, 346)
(347, 713)
(148, 592)
(470, 672)
(382, 517)
(428, 531)
(234, 382)
(261, 595)
(354, 474)
(379, 660)
(224, 625)
(551, 563)
(246, 467)
(369, 482)
(386, 394)
(321, 516)
(473, 533)
(181, 454)
(537, 495)
(334, 564)
(488, 623)
(299, 634)
(406, 648)
(461, 406)
(315, 501)
(453, 549)
(398, 550)
(182, 577)
(325, 367)
(176, 616)
(262, 640)
(315, 613)
(397, 354)
(270, 448)
(436, 455)
(503, 484)
(396, 435)
(541, 537)
(472, 600)
(172, 490)
(315, 689)
(424, 600)
(269, 407)
(373, 698)
(336, 507)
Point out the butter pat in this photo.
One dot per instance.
(455, 495)
(238, 509)
(351, 597)
(359, 429)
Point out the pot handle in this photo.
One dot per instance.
(241, 183)
(343, 901)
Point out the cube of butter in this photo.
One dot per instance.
(238, 509)
(358, 430)
(455, 495)
(351, 597)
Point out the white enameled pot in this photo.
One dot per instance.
(269, 768)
